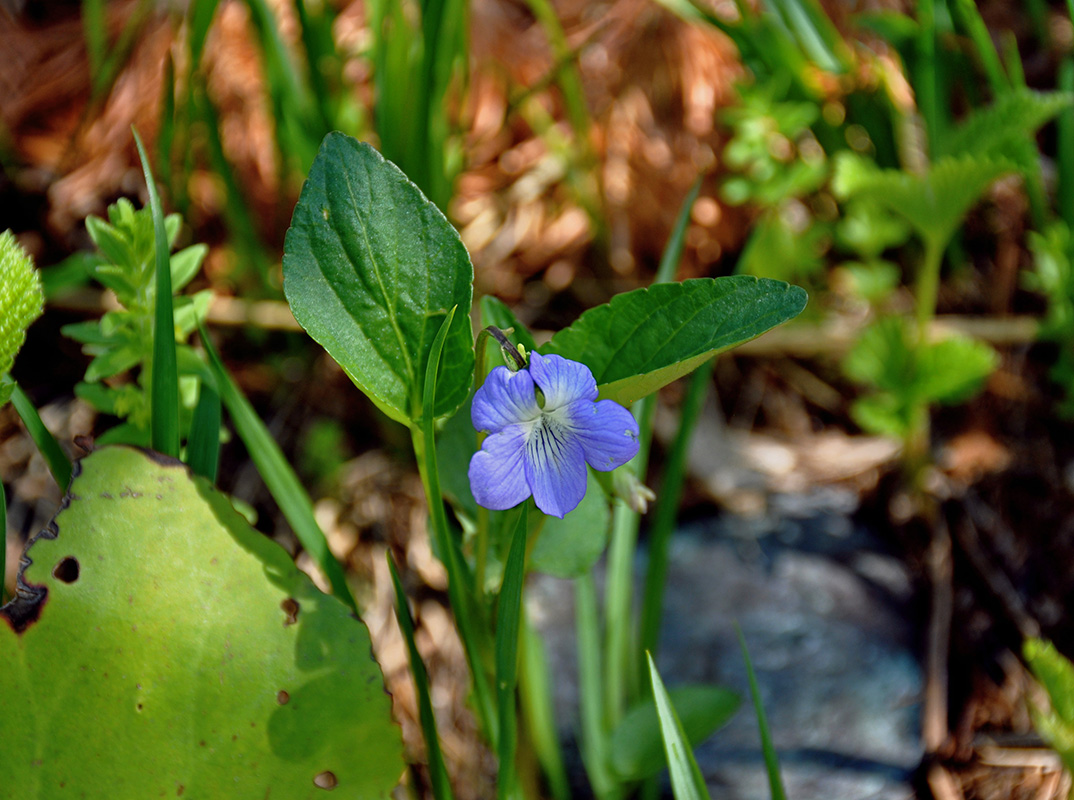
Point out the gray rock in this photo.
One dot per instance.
(821, 607)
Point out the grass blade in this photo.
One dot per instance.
(203, 447)
(164, 394)
(594, 731)
(667, 509)
(278, 475)
(771, 760)
(686, 780)
(424, 441)
(536, 690)
(58, 463)
(437, 771)
(508, 615)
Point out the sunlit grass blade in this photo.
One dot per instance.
(621, 673)
(58, 463)
(203, 447)
(686, 780)
(816, 35)
(508, 613)
(278, 475)
(771, 760)
(164, 394)
(535, 687)
(95, 30)
(441, 786)
(424, 441)
(667, 509)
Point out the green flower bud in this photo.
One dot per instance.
(21, 298)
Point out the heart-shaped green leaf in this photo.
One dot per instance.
(160, 647)
(645, 339)
(371, 268)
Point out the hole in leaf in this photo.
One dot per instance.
(282, 697)
(325, 780)
(290, 608)
(139, 707)
(66, 570)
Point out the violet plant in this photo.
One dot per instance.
(504, 431)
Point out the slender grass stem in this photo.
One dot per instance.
(164, 394)
(666, 512)
(536, 692)
(437, 770)
(594, 728)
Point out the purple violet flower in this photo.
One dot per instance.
(541, 448)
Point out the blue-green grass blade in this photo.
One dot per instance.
(687, 783)
(441, 786)
(508, 615)
(164, 393)
(595, 731)
(58, 463)
(203, 447)
(461, 599)
(621, 674)
(771, 760)
(278, 475)
(535, 688)
(667, 509)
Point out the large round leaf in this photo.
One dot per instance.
(160, 647)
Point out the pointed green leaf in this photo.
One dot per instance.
(686, 780)
(1014, 115)
(636, 744)
(647, 338)
(934, 203)
(159, 646)
(370, 269)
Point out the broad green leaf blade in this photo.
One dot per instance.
(1055, 673)
(637, 749)
(159, 646)
(277, 474)
(441, 786)
(370, 269)
(686, 780)
(569, 547)
(952, 370)
(164, 397)
(647, 338)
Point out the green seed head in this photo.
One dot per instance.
(21, 298)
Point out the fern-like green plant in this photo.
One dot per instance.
(122, 340)
(21, 302)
